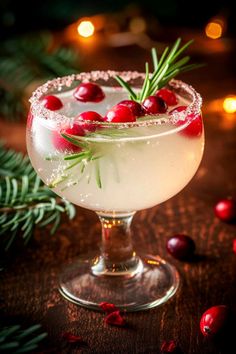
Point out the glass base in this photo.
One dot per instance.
(154, 284)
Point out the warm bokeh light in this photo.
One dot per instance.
(229, 104)
(86, 29)
(214, 29)
(137, 25)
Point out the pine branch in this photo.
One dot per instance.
(15, 340)
(25, 202)
(26, 60)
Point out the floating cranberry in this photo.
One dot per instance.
(120, 114)
(89, 92)
(225, 210)
(234, 245)
(92, 116)
(214, 320)
(154, 105)
(194, 128)
(168, 96)
(115, 319)
(62, 144)
(52, 102)
(170, 347)
(181, 246)
(135, 107)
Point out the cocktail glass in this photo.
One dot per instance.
(128, 167)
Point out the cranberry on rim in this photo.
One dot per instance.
(89, 92)
(135, 107)
(62, 144)
(168, 96)
(194, 128)
(120, 114)
(52, 102)
(154, 105)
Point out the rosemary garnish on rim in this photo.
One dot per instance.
(167, 67)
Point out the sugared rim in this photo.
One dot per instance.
(58, 84)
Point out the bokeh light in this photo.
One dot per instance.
(86, 29)
(229, 104)
(214, 29)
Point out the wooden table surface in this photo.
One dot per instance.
(29, 284)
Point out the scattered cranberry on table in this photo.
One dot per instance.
(181, 246)
(115, 319)
(120, 114)
(52, 102)
(234, 245)
(135, 107)
(170, 347)
(225, 210)
(154, 105)
(214, 320)
(168, 96)
(89, 92)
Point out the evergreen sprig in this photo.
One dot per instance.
(29, 59)
(15, 340)
(167, 67)
(25, 202)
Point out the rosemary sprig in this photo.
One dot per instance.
(168, 66)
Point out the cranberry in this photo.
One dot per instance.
(62, 144)
(92, 117)
(170, 347)
(115, 319)
(194, 128)
(72, 338)
(52, 102)
(135, 107)
(30, 119)
(168, 96)
(180, 246)
(120, 114)
(107, 307)
(225, 210)
(89, 92)
(234, 245)
(154, 105)
(214, 320)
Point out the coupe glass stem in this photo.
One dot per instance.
(117, 254)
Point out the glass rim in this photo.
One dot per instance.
(193, 109)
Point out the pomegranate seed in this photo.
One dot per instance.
(62, 144)
(225, 210)
(135, 107)
(89, 92)
(107, 307)
(168, 96)
(181, 246)
(194, 128)
(154, 105)
(115, 319)
(120, 114)
(214, 320)
(71, 338)
(52, 102)
(234, 245)
(169, 347)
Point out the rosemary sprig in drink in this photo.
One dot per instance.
(167, 67)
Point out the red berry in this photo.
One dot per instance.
(115, 319)
(135, 107)
(107, 307)
(52, 102)
(30, 119)
(89, 92)
(154, 105)
(180, 246)
(225, 210)
(72, 338)
(194, 128)
(169, 347)
(214, 320)
(92, 117)
(234, 245)
(62, 144)
(168, 96)
(120, 114)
